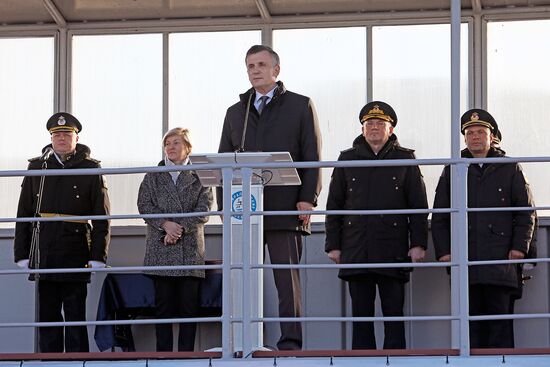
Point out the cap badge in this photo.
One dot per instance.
(61, 120)
(474, 117)
(376, 110)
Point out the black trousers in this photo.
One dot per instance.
(490, 300)
(71, 298)
(392, 297)
(176, 297)
(285, 247)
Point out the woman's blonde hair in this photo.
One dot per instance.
(181, 132)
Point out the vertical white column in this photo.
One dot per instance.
(247, 249)
(459, 197)
(227, 340)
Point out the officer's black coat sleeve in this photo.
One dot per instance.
(23, 230)
(441, 222)
(336, 201)
(524, 221)
(416, 199)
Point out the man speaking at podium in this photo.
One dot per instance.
(269, 118)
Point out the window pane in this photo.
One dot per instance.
(332, 71)
(26, 101)
(412, 72)
(117, 95)
(207, 74)
(518, 91)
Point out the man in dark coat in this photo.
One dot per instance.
(278, 120)
(380, 238)
(62, 244)
(491, 235)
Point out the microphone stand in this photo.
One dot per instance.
(243, 137)
(35, 255)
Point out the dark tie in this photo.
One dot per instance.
(263, 102)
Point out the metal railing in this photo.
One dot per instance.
(459, 264)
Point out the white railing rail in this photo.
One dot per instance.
(459, 263)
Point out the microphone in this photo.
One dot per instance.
(47, 153)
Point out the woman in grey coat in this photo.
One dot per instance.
(175, 241)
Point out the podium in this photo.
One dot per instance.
(246, 233)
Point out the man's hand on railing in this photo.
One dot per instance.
(417, 254)
(334, 255)
(304, 205)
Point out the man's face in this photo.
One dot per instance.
(478, 140)
(261, 72)
(377, 131)
(64, 142)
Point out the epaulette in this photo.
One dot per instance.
(34, 159)
(347, 150)
(404, 149)
(92, 160)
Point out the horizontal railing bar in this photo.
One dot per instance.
(508, 209)
(402, 318)
(267, 213)
(350, 318)
(310, 164)
(112, 322)
(109, 269)
(352, 212)
(115, 216)
(499, 262)
(270, 266)
(435, 264)
(275, 319)
(522, 316)
(354, 266)
(395, 211)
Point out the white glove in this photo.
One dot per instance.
(96, 264)
(23, 264)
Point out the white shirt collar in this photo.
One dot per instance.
(268, 94)
(175, 174)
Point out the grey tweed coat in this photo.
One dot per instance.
(159, 194)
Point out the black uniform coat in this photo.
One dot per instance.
(287, 124)
(158, 194)
(491, 235)
(376, 238)
(65, 244)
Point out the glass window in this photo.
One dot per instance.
(117, 95)
(518, 91)
(207, 74)
(26, 102)
(332, 71)
(412, 72)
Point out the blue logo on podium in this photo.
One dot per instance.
(237, 203)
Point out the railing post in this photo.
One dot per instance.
(459, 251)
(227, 338)
(246, 227)
(459, 221)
